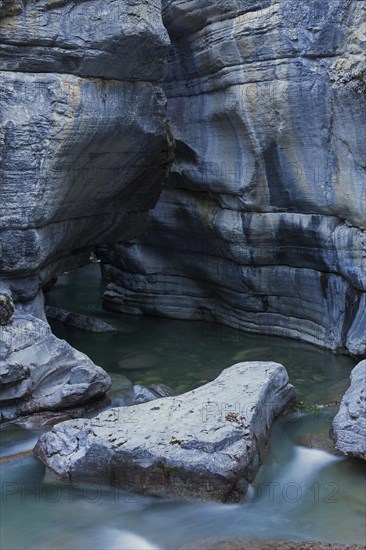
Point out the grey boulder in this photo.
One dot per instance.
(207, 443)
(39, 372)
(349, 425)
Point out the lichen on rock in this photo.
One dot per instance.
(6, 308)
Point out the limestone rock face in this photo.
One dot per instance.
(39, 372)
(84, 141)
(262, 224)
(207, 443)
(83, 132)
(111, 39)
(349, 425)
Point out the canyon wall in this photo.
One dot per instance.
(83, 139)
(84, 150)
(262, 223)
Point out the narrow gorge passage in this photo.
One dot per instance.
(182, 274)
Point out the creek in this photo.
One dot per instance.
(300, 493)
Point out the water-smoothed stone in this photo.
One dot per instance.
(335, 392)
(40, 373)
(77, 320)
(120, 382)
(207, 443)
(262, 224)
(83, 131)
(140, 394)
(42, 420)
(349, 425)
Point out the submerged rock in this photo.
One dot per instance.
(16, 456)
(207, 443)
(142, 394)
(120, 382)
(319, 440)
(39, 372)
(139, 361)
(349, 425)
(77, 320)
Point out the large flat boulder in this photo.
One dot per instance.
(207, 443)
(349, 425)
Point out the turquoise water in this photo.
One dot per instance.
(299, 494)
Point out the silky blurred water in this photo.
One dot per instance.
(299, 494)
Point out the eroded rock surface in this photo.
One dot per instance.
(84, 151)
(262, 225)
(83, 132)
(207, 443)
(39, 372)
(349, 425)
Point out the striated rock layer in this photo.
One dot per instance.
(39, 372)
(262, 223)
(207, 443)
(84, 140)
